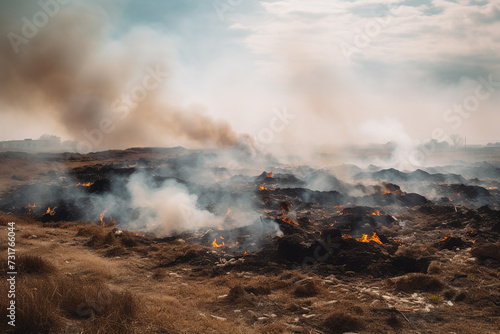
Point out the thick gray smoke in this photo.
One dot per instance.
(63, 66)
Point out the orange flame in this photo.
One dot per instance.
(215, 244)
(374, 237)
(111, 222)
(347, 236)
(270, 174)
(376, 213)
(289, 221)
(444, 239)
(88, 184)
(285, 216)
(102, 216)
(48, 211)
(29, 207)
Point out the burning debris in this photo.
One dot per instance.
(273, 214)
(192, 218)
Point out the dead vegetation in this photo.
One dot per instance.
(91, 285)
(417, 282)
(85, 278)
(50, 301)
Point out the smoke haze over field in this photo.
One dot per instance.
(72, 75)
(124, 74)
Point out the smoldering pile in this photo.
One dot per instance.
(267, 213)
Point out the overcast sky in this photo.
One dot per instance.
(346, 71)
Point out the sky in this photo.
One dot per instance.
(317, 73)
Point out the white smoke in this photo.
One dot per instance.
(167, 209)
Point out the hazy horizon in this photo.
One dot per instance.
(218, 73)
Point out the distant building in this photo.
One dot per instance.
(29, 145)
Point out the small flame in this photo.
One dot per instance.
(376, 213)
(270, 174)
(102, 216)
(492, 188)
(347, 236)
(374, 237)
(341, 208)
(286, 219)
(215, 244)
(444, 239)
(88, 184)
(289, 221)
(29, 207)
(48, 211)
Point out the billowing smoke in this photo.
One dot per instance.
(167, 209)
(63, 67)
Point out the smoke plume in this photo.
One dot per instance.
(101, 91)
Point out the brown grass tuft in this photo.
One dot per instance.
(43, 303)
(308, 289)
(116, 251)
(418, 282)
(128, 241)
(100, 239)
(237, 293)
(35, 311)
(34, 264)
(338, 323)
(434, 268)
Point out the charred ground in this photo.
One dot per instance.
(296, 249)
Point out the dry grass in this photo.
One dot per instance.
(182, 299)
(34, 264)
(308, 289)
(338, 323)
(417, 282)
(27, 264)
(47, 300)
(434, 268)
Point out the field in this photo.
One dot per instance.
(292, 249)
